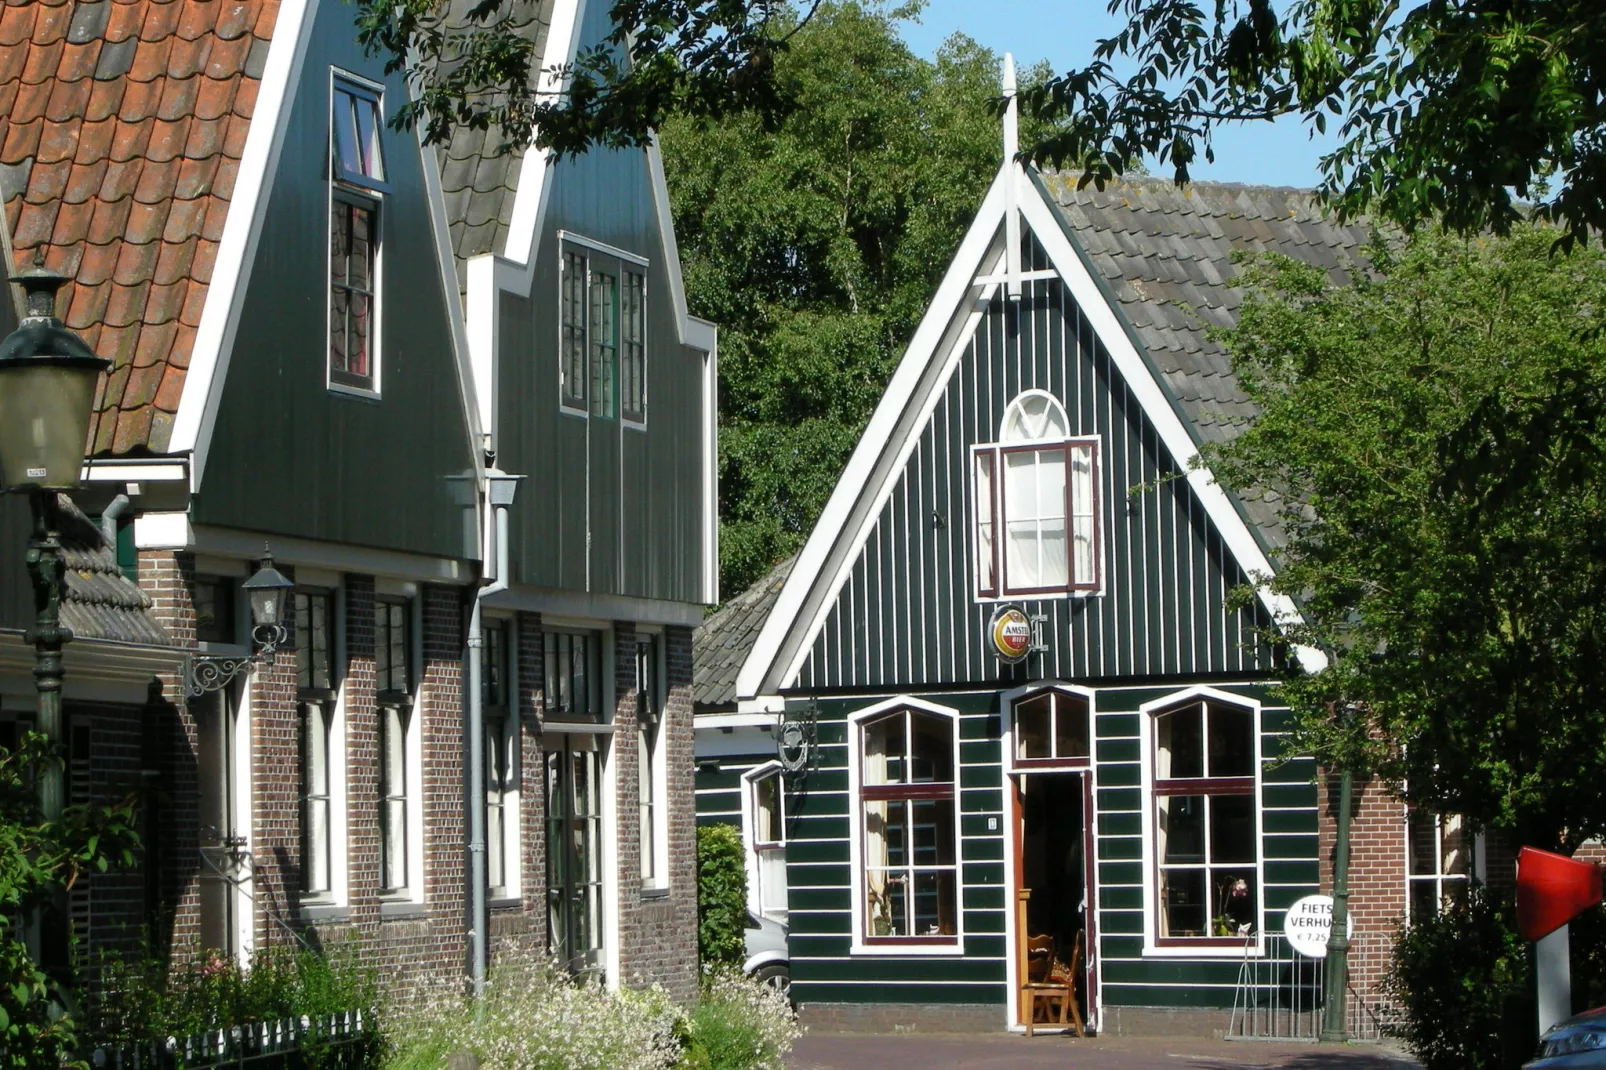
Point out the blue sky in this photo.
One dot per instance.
(1064, 32)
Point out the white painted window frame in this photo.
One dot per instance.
(658, 780)
(1255, 947)
(377, 197)
(749, 801)
(512, 888)
(1011, 698)
(855, 720)
(1438, 878)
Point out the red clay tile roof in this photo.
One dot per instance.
(121, 131)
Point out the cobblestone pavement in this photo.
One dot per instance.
(1007, 1052)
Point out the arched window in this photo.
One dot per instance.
(1206, 844)
(1052, 727)
(1036, 504)
(908, 876)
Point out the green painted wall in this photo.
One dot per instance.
(290, 456)
(635, 495)
(820, 880)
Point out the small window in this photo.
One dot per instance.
(633, 370)
(766, 817)
(1438, 857)
(1206, 844)
(604, 343)
(1036, 508)
(908, 829)
(357, 167)
(1052, 727)
(650, 767)
(393, 684)
(316, 744)
(501, 764)
(573, 672)
(358, 153)
(573, 362)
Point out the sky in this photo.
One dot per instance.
(1064, 32)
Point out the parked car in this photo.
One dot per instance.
(1579, 1042)
(767, 957)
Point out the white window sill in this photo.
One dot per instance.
(1051, 596)
(504, 902)
(954, 950)
(354, 391)
(1254, 949)
(655, 891)
(401, 908)
(324, 910)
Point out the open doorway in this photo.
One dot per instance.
(1054, 867)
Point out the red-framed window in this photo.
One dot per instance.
(1052, 729)
(908, 827)
(1036, 494)
(1206, 832)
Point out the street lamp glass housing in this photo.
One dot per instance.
(266, 588)
(47, 391)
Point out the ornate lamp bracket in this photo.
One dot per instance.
(796, 738)
(211, 672)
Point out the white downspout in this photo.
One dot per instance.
(500, 489)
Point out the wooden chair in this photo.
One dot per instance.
(1051, 981)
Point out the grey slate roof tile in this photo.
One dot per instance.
(723, 641)
(1165, 255)
(98, 601)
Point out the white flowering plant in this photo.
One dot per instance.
(536, 1017)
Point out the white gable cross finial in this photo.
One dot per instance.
(1011, 208)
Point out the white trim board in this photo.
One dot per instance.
(242, 228)
(894, 429)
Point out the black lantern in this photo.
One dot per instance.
(267, 588)
(47, 389)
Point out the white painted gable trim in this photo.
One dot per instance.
(231, 273)
(759, 671)
(957, 286)
(1140, 379)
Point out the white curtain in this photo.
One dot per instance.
(875, 830)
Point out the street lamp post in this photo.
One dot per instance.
(47, 388)
(1334, 1028)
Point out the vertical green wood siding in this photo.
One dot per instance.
(290, 456)
(906, 616)
(820, 821)
(637, 494)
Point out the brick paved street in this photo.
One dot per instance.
(831, 1052)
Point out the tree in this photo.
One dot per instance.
(38, 857)
(1438, 433)
(1445, 110)
(815, 247)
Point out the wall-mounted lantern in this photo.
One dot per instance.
(267, 589)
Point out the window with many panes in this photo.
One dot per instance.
(1438, 861)
(1036, 504)
(357, 171)
(651, 771)
(573, 675)
(1051, 727)
(602, 364)
(908, 837)
(319, 750)
(393, 695)
(1206, 844)
(633, 359)
(501, 763)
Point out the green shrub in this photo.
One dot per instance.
(721, 896)
(1451, 978)
(738, 1024)
(141, 998)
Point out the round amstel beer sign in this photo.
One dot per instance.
(1011, 634)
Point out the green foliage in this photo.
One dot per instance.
(1436, 434)
(815, 245)
(139, 998)
(1442, 112)
(1451, 978)
(721, 896)
(38, 860)
(738, 1024)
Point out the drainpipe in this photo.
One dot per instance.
(499, 491)
(109, 516)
